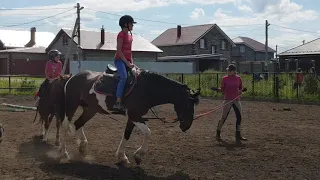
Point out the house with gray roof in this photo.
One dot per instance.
(248, 49)
(101, 46)
(303, 56)
(19, 39)
(23, 52)
(206, 45)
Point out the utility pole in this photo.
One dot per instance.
(78, 34)
(75, 32)
(266, 45)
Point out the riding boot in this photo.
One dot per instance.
(218, 137)
(239, 137)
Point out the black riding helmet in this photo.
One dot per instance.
(126, 19)
(53, 53)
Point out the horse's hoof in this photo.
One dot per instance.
(137, 158)
(41, 137)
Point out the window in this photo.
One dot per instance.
(213, 49)
(242, 49)
(202, 43)
(223, 44)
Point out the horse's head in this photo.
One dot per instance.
(1, 132)
(185, 108)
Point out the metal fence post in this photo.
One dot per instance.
(253, 86)
(9, 84)
(199, 81)
(182, 78)
(217, 79)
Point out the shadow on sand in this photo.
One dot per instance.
(79, 169)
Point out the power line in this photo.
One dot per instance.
(164, 22)
(26, 9)
(312, 32)
(37, 19)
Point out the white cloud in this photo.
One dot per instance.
(278, 12)
(245, 8)
(197, 13)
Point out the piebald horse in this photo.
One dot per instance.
(143, 91)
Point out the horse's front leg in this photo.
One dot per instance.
(142, 150)
(120, 154)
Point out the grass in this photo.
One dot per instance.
(257, 89)
(20, 85)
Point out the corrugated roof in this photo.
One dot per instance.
(15, 38)
(91, 40)
(255, 45)
(312, 47)
(40, 49)
(189, 35)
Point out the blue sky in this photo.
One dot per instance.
(292, 21)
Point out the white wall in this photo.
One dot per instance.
(160, 67)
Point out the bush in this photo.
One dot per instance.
(311, 85)
(27, 85)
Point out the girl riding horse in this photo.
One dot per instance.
(53, 69)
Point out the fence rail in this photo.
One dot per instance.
(261, 86)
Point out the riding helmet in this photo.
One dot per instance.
(126, 19)
(53, 53)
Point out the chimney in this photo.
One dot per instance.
(303, 41)
(102, 35)
(32, 41)
(178, 31)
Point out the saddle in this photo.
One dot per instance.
(107, 83)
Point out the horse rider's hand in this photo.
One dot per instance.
(130, 65)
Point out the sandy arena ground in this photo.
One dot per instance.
(281, 145)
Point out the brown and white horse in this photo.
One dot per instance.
(143, 91)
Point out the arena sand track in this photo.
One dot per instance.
(282, 145)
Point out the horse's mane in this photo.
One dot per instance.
(156, 77)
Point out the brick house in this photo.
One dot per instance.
(248, 49)
(206, 45)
